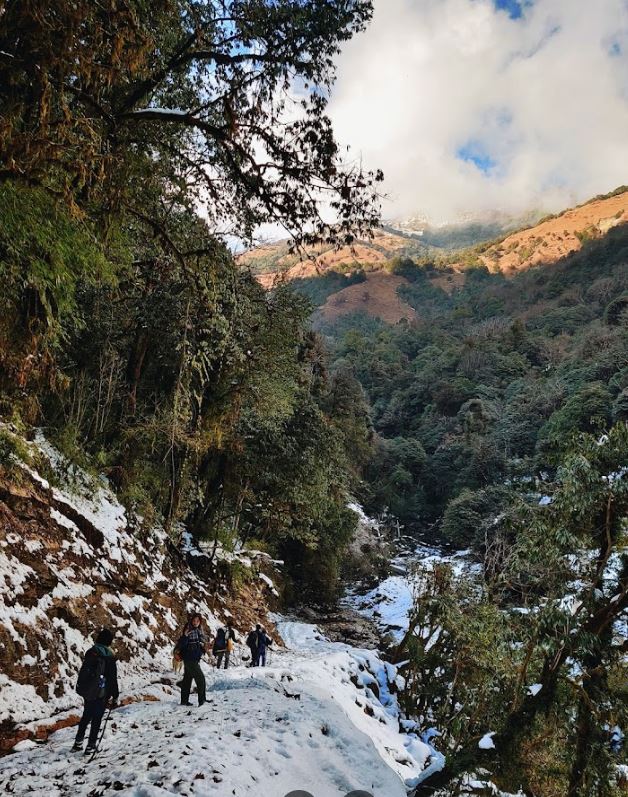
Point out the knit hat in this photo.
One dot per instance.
(105, 637)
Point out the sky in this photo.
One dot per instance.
(476, 105)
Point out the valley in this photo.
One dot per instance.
(377, 464)
(458, 392)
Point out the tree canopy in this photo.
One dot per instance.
(492, 380)
(134, 137)
(147, 106)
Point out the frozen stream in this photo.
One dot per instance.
(389, 604)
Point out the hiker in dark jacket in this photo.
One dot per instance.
(223, 644)
(263, 641)
(191, 647)
(251, 643)
(258, 641)
(97, 684)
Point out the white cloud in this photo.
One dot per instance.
(543, 98)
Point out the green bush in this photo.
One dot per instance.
(13, 450)
(589, 409)
(468, 516)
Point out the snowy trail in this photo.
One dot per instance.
(321, 718)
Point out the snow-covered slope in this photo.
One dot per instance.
(374, 709)
(389, 603)
(320, 718)
(73, 561)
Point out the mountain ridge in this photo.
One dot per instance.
(580, 221)
(557, 236)
(374, 265)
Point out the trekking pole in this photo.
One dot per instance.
(100, 737)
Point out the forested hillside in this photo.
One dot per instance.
(175, 430)
(129, 143)
(499, 410)
(484, 387)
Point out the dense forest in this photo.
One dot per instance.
(485, 391)
(131, 144)
(499, 426)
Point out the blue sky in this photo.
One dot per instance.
(475, 152)
(515, 8)
(494, 135)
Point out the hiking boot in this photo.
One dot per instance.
(200, 702)
(90, 749)
(186, 704)
(77, 747)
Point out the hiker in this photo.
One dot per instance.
(97, 684)
(191, 647)
(258, 641)
(223, 644)
(251, 643)
(263, 641)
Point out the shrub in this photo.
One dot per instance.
(468, 515)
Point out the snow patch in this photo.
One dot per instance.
(486, 742)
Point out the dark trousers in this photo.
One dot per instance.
(92, 713)
(261, 657)
(192, 672)
(219, 656)
(254, 657)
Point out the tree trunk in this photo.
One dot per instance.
(134, 369)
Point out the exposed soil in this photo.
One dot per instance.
(449, 282)
(377, 297)
(557, 237)
(380, 248)
(61, 580)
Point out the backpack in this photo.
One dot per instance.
(177, 661)
(91, 683)
(221, 640)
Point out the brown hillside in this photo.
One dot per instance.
(346, 258)
(449, 281)
(557, 237)
(547, 242)
(274, 261)
(377, 296)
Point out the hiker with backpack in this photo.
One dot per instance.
(257, 641)
(191, 647)
(223, 644)
(263, 642)
(251, 643)
(97, 684)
